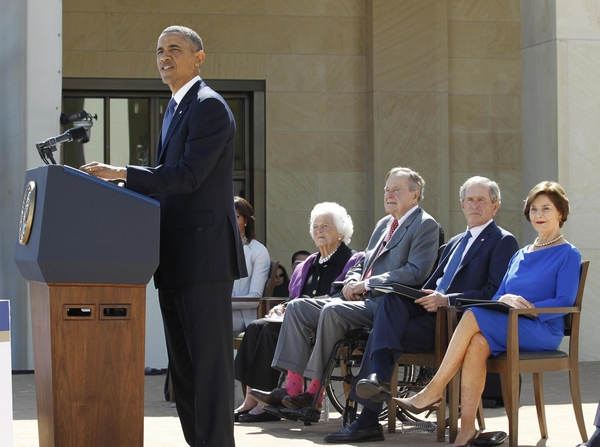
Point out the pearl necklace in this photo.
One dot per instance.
(244, 241)
(536, 244)
(323, 260)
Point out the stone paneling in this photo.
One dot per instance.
(307, 73)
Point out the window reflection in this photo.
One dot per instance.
(129, 131)
(76, 154)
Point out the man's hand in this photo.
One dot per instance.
(277, 311)
(433, 300)
(354, 291)
(104, 171)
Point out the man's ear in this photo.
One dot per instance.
(200, 56)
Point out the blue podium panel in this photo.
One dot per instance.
(78, 229)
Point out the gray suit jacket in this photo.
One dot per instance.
(408, 258)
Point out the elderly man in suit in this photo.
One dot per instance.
(402, 248)
(200, 247)
(471, 266)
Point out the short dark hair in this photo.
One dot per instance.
(555, 193)
(189, 34)
(243, 207)
(299, 252)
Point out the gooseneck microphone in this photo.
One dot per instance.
(45, 148)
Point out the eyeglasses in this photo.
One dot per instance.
(279, 275)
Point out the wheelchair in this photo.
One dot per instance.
(340, 373)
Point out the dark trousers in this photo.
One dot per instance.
(198, 330)
(255, 354)
(399, 325)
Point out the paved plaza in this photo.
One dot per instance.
(162, 427)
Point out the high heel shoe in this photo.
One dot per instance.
(407, 405)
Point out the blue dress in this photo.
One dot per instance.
(547, 278)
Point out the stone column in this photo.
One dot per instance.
(29, 113)
(561, 134)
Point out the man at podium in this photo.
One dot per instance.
(200, 248)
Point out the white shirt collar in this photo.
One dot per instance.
(476, 231)
(183, 90)
(408, 213)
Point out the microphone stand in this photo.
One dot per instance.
(45, 152)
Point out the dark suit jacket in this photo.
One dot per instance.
(193, 181)
(407, 258)
(481, 271)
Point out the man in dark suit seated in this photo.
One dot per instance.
(403, 248)
(201, 251)
(471, 266)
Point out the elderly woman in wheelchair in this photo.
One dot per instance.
(331, 229)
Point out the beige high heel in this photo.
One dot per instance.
(407, 405)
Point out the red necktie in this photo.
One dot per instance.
(393, 227)
(391, 232)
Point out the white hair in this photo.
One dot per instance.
(341, 219)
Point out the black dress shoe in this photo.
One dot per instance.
(353, 434)
(373, 389)
(269, 399)
(236, 415)
(304, 400)
(263, 417)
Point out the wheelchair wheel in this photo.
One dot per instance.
(342, 377)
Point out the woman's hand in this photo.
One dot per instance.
(433, 300)
(516, 301)
(104, 171)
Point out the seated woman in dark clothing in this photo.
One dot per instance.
(331, 229)
(282, 281)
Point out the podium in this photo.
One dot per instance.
(87, 248)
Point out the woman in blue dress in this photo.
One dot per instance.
(542, 274)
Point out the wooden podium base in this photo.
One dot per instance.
(89, 358)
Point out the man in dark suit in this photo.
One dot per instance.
(403, 325)
(402, 248)
(200, 248)
(594, 441)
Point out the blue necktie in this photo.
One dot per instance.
(167, 119)
(453, 264)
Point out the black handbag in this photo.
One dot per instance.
(490, 438)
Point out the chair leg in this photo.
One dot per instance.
(540, 405)
(391, 405)
(576, 398)
(453, 398)
(480, 416)
(441, 420)
(510, 394)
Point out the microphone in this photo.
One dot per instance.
(66, 118)
(45, 148)
(74, 134)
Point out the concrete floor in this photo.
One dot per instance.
(162, 427)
